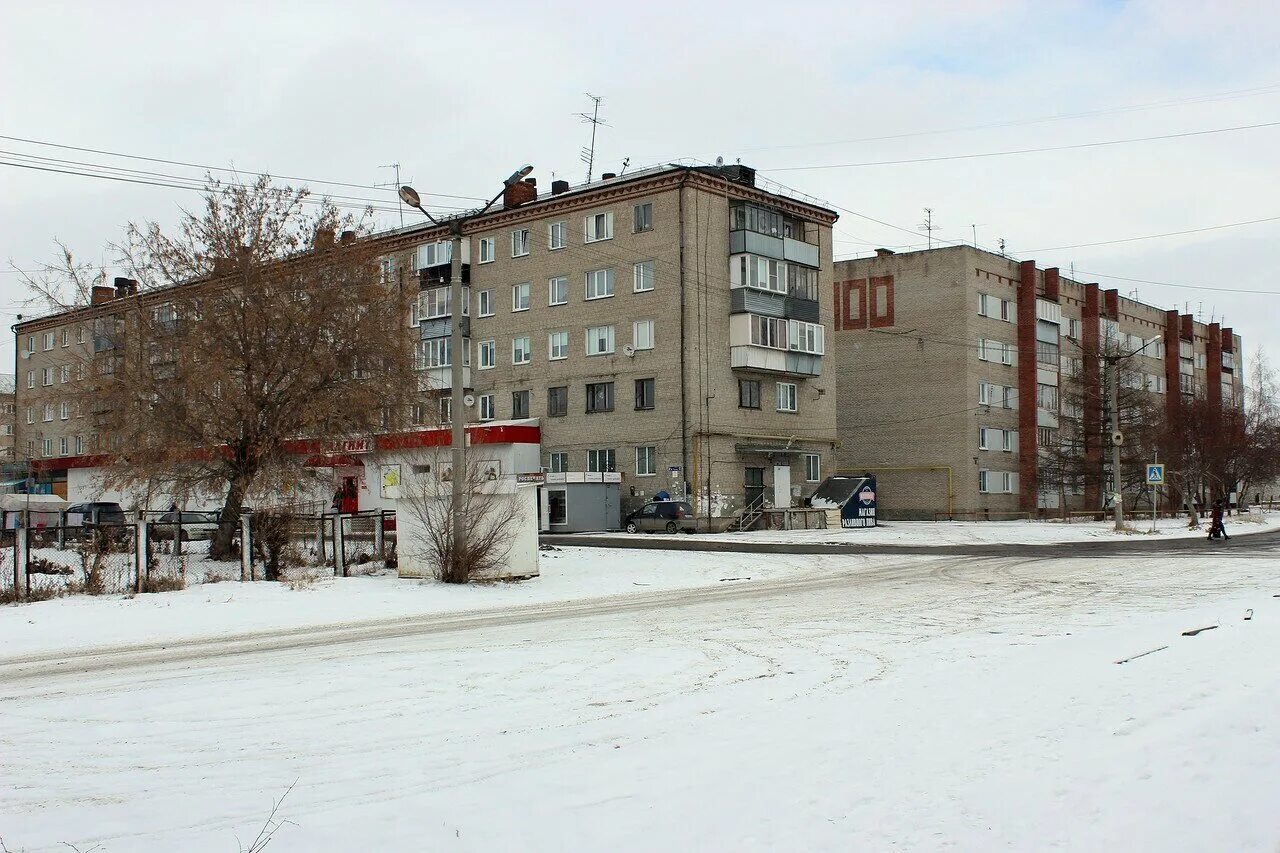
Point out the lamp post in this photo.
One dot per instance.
(456, 571)
(1113, 365)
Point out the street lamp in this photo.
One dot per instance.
(1117, 438)
(454, 573)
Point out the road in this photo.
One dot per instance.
(964, 701)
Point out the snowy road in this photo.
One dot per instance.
(923, 703)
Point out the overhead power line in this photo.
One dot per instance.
(1183, 286)
(1009, 152)
(1153, 236)
(215, 168)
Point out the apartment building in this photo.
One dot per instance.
(953, 367)
(8, 414)
(667, 327)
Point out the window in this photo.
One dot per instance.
(786, 397)
(984, 393)
(558, 290)
(48, 341)
(79, 445)
(642, 217)
(558, 463)
(642, 273)
(46, 446)
(519, 242)
(488, 354)
(1009, 440)
(520, 297)
(984, 481)
(446, 410)
(600, 340)
(46, 376)
(983, 442)
(599, 397)
(433, 352)
(414, 320)
(600, 283)
(984, 305)
(438, 302)
(1009, 482)
(1008, 312)
(601, 460)
(63, 448)
(1073, 329)
(486, 407)
(434, 254)
(520, 350)
(64, 411)
(488, 245)
(598, 226)
(768, 332)
(644, 394)
(1009, 397)
(66, 337)
(484, 303)
(642, 334)
(558, 401)
(31, 415)
(748, 393)
(1047, 397)
(1047, 353)
(760, 273)
(812, 467)
(31, 379)
(558, 345)
(519, 404)
(646, 461)
(48, 412)
(557, 232)
(995, 351)
(1046, 436)
(31, 343)
(804, 337)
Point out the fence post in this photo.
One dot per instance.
(21, 582)
(246, 549)
(339, 547)
(140, 550)
(377, 534)
(320, 541)
(62, 527)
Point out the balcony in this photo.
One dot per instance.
(442, 327)
(767, 303)
(779, 248)
(441, 379)
(775, 360)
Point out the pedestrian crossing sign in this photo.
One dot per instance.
(1155, 475)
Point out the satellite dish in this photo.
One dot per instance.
(719, 161)
(469, 400)
(629, 351)
(1117, 437)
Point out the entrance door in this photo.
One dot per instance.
(753, 479)
(350, 495)
(782, 486)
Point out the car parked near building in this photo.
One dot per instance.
(95, 514)
(668, 516)
(191, 525)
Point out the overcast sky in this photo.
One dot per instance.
(460, 94)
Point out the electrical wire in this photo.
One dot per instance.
(1152, 236)
(984, 154)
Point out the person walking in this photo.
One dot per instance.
(1216, 527)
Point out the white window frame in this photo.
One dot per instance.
(557, 461)
(984, 481)
(46, 416)
(638, 276)
(31, 414)
(635, 220)
(785, 393)
(600, 334)
(551, 290)
(520, 242)
(64, 411)
(806, 337)
(50, 341)
(984, 394)
(31, 379)
(593, 287)
(79, 445)
(1009, 440)
(984, 305)
(488, 348)
(486, 407)
(484, 302)
(521, 350)
(984, 442)
(642, 335)
(487, 250)
(813, 467)
(518, 289)
(558, 235)
(66, 337)
(46, 376)
(46, 447)
(650, 455)
(558, 345)
(597, 227)
(1009, 482)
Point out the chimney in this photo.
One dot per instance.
(884, 253)
(348, 237)
(1188, 327)
(1052, 284)
(558, 187)
(1228, 340)
(324, 238)
(520, 193)
(1111, 304)
(125, 286)
(608, 176)
(101, 293)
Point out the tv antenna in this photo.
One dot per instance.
(974, 227)
(927, 226)
(395, 186)
(588, 155)
(1002, 252)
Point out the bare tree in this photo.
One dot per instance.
(253, 344)
(490, 510)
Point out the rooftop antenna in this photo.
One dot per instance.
(626, 162)
(1002, 252)
(927, 226)
(975, 233)
(395, 186)
(588, 155)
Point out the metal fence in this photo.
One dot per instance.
(93, 560)
(345, 545)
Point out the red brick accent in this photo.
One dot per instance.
(1092, 376)
(851, 305)
(1052, 285)
(1111, 304)
(1028, 455)
(1213, 368)
(1228, 339)
(1188, 327)
(880, 291)
(521, 192)
(1172, 449)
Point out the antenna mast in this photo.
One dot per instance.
(927, 226)
(395, 186)
(589, 154)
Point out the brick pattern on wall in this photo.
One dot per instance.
(1028, 485)
(864, 303)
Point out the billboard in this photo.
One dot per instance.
(860, 509)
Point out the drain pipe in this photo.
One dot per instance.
(684, 405)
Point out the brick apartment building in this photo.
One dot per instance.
(667, 328)
(950, 363)
(8, 414)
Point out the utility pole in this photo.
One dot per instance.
(1113, 367)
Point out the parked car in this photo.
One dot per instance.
(671, 516)
(190, 525)
(95, 514)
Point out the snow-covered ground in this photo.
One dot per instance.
(836, 704)
(990, 532)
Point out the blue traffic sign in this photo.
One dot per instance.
(1155, 474)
